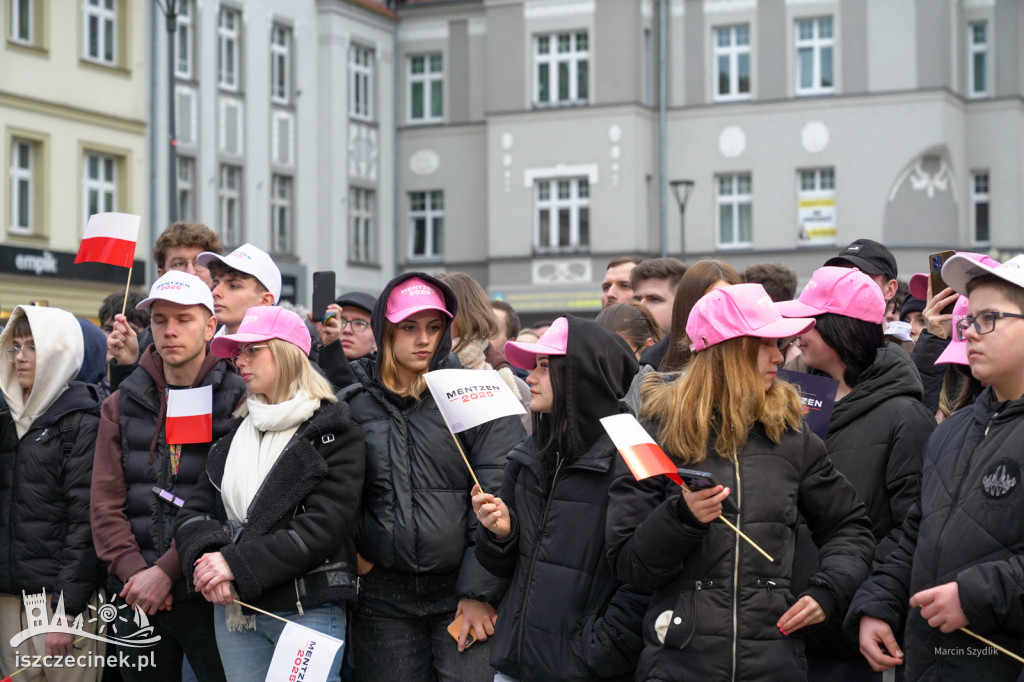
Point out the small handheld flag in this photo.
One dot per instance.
(189, 416)
(302, 653)
(110, 238)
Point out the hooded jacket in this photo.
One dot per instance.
(45, 539)
(416, 514)
(965, 529)
(565, 615)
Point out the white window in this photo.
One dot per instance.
(184, 39)
(979, 208)
(977, 68)
(22, 187)
(229, 27)
(563, 69)
(426, 88)
(186, 188)
(360, 83)
(816, 206)
(22, 21)
(735, 206)
(361, 220)
(814, 51)
(100, 27)
(563, 215)
(281, 65)
(426, 224)
(281, 214)
(229, 195)
(100, 185)
(732, 62)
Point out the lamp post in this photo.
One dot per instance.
(170, 9)
(683, 189)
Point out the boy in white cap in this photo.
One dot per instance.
(139, 481)
(245, 278)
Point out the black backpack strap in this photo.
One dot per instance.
(69, 425)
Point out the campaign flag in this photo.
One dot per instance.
(644, 457)
(302, 654)
(189, 416)
(470, 397)
(817, 395)
(110, 238)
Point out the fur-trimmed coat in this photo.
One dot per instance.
(297, 542)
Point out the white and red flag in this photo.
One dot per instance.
(110, 238)
(302, 654)
(470, 397)
(189, 416)
(644, 457)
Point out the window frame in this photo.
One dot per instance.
(14, 16)
(823, 187)
(735, 199)
(433, 225)
(19, 175)
(817, 45)
(185, 32)
(575, 203)
(362, 220)
(281, 63)
(361, 80)
(979, 198)
(975, 50)
(186, 188)
(226, 198)
(282, 213)
(103, 186)
(553, 59)
(734, 52)
(107, 26)
(229, 36)
(427, 79)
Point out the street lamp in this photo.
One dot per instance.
(683, 190)
(170, 9)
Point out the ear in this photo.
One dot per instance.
(890, 289)
(160, 272)
(211, 328)
(266, 298)
(648, 343)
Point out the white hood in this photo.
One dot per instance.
(60, 350)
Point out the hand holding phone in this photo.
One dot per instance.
(937, 284)
(455, 629)
(694, 480)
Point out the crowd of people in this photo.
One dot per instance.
(327, 489)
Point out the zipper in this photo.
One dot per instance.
(736, 571)
(533, 560)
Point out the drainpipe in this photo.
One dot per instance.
(663, 124)
(153, 61)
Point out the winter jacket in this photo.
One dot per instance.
(565, 615)
(926, 351)
(965, 530)
(718, 597)
(132, 526)
(297, 542)
(416, 515)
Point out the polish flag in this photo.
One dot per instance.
(644, 457)
(110, 238)
(189, 416)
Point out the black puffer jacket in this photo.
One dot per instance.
(416, 515)
(565, 615)
(45, 537)
(298, 540)
(926, 351)
(718, 597)
(966, 529)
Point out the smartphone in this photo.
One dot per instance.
(701, 480)
(456, 627)
(935, 263)
(323, 293)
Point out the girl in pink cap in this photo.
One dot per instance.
(272, 521)
(720, 609)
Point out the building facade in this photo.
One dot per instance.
(73, 121)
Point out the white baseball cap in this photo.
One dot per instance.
(252, 261)
(960, 269)
(181, 288)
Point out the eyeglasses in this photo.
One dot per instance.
(983, 324)
(181, 265)
(28, 352)
(357, 325)
(246, 352)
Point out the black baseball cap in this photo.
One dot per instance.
(357, 299)
(868, 256)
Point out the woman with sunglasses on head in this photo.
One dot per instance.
(273, 519)
(419, 571)
(720, 609)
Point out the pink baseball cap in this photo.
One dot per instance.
(181, 288)
(262, 323)
(919, 282)
(739, 310)
(844, 291)
(956, 351)
(962, 268)
(555, 341)
(412, 296)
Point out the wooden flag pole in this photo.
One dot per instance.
(736, 530)
(993, 645)
(265, 613)
(124, 302)
(464, 459)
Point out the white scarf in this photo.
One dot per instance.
(256, 447)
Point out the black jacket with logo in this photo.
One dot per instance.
(966, 529)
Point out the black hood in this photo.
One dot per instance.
(444, 346)
(599, 370)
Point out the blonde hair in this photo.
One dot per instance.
(475, 317)
(387, 366)
(295, 372)
(718, 398)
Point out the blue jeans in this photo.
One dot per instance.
(400, 631)
(246, 655)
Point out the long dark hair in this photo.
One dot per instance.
(856, 342)
(553, 435)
